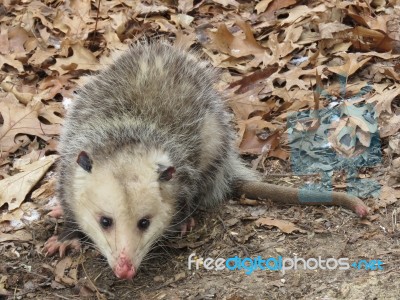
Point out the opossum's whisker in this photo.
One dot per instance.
(161, 247)
(187, 216)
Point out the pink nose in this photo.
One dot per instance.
(124, 268)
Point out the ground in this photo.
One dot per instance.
(336, 62)
(229, 231)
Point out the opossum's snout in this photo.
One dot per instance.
(124, 268)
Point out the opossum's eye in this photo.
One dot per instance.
(84, 161)
(143, 224)
(166, 173)
(106, 222)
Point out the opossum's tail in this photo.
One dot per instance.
(287, 195)
(247, 182)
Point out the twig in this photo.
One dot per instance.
(97, 18)
(62, 297)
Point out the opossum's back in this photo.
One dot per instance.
(156, 82)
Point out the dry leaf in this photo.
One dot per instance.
(227, 2)
(284, 226)
(299, 13)
(387, 196)
(248, 82)
(62, 266)
(351, 64)
(327, 29)
(9, 87)
(20, 235)
(82, 59)
(18, 119)
(142, 9)
(223, 40)
(10, 59)
(27, 212)
(46, 191)
(274, 6)
(383, 100)
(13, 189)
(262, 5)
(185, 6)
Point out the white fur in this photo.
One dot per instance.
(125, 191)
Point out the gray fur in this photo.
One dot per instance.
(158, 96)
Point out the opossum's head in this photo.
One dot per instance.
(124, 204)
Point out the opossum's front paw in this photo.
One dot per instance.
(187, 226)
(53, 245)
(56, 211)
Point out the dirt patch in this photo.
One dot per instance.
(326, 232)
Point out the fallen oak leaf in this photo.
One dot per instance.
(224, 41)
(185, 6)
(14, 189)
(298, 13)
(328, 29)
(20, 119)
(389, 72)
(17, 38)
(68, 25)
(258, 136)
(262, 5)
(350, 66)
(366, 38)
(281, 49)
(62, 266)
(10, 59)
(383, 101)
(46, 191)
(244, 105)
(20, 235)
(390, 127)
(52, 112)
(40, 56)
(284, 226)
(142, 9)
(9, 87)
(82, 59)
(53, 85)
(388, 196)
(271, 8)
(247, 82)
(20, 217)
(4, 43)
(226, 3)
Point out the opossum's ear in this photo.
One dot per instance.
(166, 173)
(84, 161)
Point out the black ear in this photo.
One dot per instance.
(84, 161)
(166, 173)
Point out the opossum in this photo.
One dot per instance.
(146, 142)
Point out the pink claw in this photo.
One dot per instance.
(187, 226)
(56, 211)
(53, 245)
